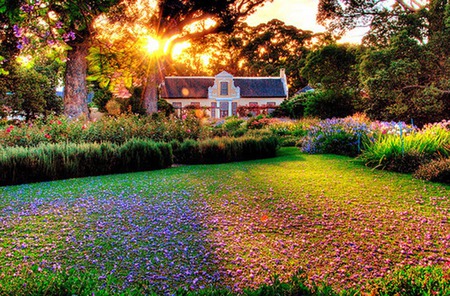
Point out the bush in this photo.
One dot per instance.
(328, 104)
(336, 136)
(61, 161)
(108, 129)
(293, 107)
(221, 150)
(437, 170)
(260, 122)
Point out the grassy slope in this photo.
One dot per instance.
(325, 214)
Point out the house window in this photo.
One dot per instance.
(254, 110)
(234, 108)
(224, 88)
(271, 104)
(224, 109)
(178, 107)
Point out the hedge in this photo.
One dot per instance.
(49, 162)
(61, 161)
(221, 150)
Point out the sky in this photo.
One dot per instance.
(299, 13)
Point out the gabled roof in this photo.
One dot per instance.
(306, 89)
(197, 87)
(260, 87)
(186, 87)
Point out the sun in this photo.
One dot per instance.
(152, 45)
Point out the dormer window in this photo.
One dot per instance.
(224, 88)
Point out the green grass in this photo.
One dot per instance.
(231, 225)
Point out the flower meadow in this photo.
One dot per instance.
(231, 226)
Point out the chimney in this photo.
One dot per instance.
(283, 73)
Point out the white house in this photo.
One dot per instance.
(224, 93)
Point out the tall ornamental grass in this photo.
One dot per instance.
(406, 151)
(61, 161)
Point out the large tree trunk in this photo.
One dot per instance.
(150, 93)
(75, 89)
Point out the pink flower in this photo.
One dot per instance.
(9, 129)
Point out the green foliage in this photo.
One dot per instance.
(108, 129)
(290, 132)
(220, 150)
(101, 98)
(260, 122)
(401, 85)
(406, 152)
(30, 93)
(273, 46)
(293, 107)
(409, 281)
(165, 107)
(231, 127)
(331, 67)
(328, 104)
(336, 136)
(412, 281)
(61, 161)
(437, 170)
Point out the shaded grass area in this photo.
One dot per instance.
(231, 225)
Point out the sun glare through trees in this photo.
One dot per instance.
(152, 45)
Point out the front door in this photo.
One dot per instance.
(223, 109)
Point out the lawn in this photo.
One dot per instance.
(232, 225)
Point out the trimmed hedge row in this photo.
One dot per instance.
(48, 162)
(221, 150)
(62, 161)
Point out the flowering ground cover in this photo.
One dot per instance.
(231, 225)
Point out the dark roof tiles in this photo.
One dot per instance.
(186, 87)
(260, 87)
(197, 87)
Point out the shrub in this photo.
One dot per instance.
(437, 170)
(336, 136)
(113, 107)
(293, 107)
(108, 129)
(260, 122)
(61, 161)
(328, 104)
(221, 150)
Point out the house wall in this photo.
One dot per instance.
(207, 102)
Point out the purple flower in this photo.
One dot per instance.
(69, 36)
(27, 7)
(17, 31)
